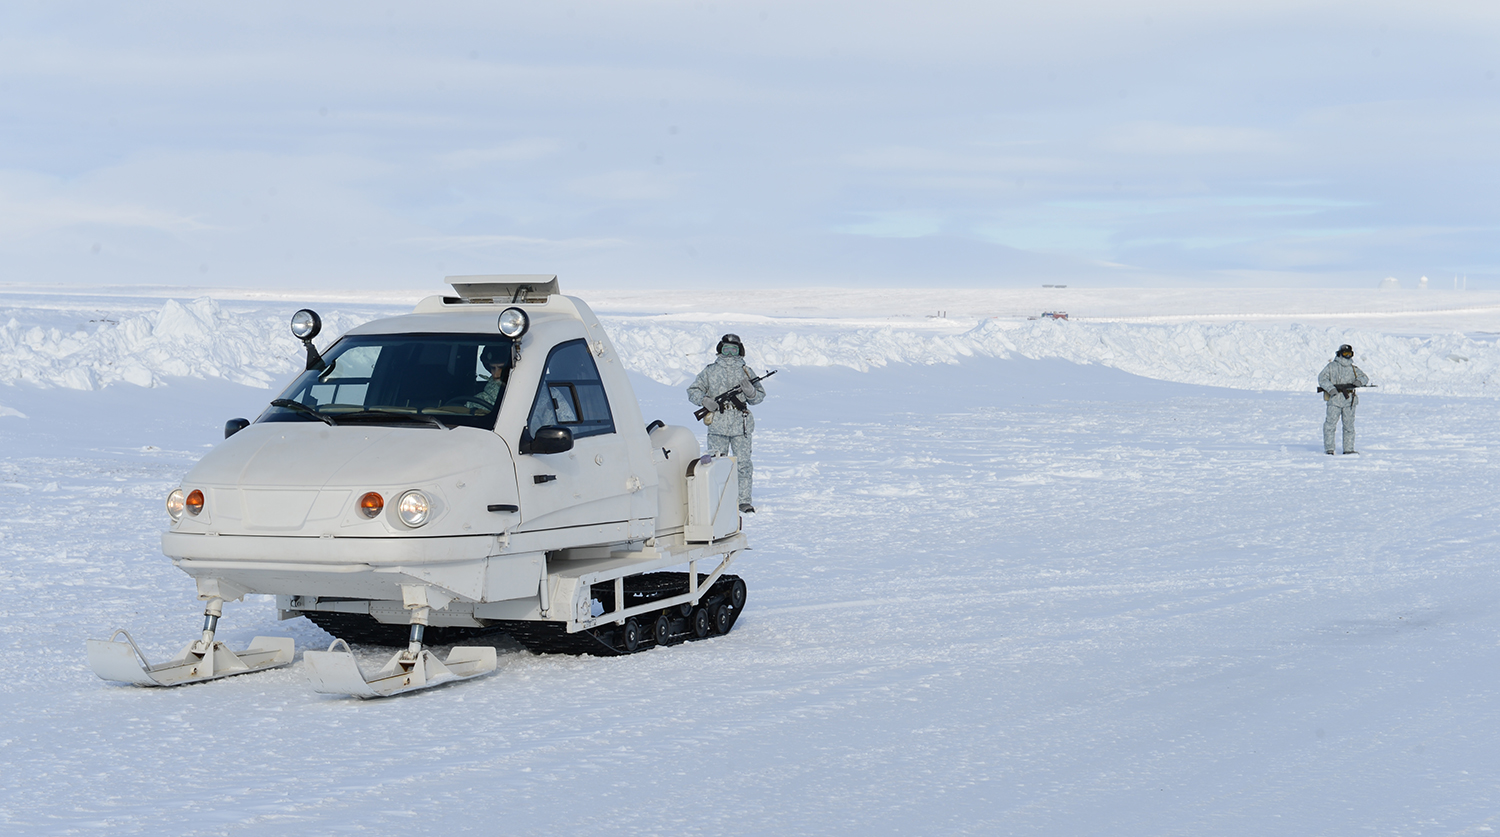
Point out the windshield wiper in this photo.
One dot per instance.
(298, 406)
(392, 414)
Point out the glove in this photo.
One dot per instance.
(708, 403)
(747, 389)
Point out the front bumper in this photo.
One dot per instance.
(469, 567)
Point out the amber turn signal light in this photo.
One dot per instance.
(370, 505)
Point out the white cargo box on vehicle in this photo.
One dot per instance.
(713, 499)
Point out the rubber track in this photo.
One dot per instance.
(362, 629)
(552, 637)
(605, 641)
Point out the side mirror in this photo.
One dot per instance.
(551, 439)
(234, 426)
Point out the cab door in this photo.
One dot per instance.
(585, 486)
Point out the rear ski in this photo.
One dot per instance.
(336, 672)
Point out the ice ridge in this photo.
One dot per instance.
(203, 339)
(198, 339)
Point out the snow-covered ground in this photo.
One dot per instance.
(1009, 576)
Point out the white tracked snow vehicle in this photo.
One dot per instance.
(477, 466)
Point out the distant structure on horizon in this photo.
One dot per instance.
(1390, 283)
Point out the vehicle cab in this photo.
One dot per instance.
(449, 446)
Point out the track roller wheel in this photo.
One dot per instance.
(702, 624)
(630, 635)
(685, 610)
(662, 630)
(723, 619)
(737, 595)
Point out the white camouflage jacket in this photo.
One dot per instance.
(724, 374)
(1341, 370)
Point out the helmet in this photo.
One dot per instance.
(495, 353)
(730, 340)
(1345, 350)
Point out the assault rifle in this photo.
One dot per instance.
(731, 398)
(1347, 389)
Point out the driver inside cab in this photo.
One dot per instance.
(496, 359)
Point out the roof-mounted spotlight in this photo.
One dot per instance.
(305, 326)
(513, 323)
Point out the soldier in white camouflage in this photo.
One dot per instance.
(1337, 382)
(730, 429)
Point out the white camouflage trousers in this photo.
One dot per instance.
(740, 447)
(1331, 423)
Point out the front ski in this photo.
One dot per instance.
(337, 672)
(199, 661)
(202, 659)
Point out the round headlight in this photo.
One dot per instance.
(195, 503)
(513, 322)
(306, 324)
(413, 508)
(176, 501)
(370, 505)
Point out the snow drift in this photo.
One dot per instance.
(198, 339)
(1237, 355)
(203, 339)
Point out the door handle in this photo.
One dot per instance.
(541, 478)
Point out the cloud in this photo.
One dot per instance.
(964, 160)
(31, 205)
(893, 225)
(516, 151)
(481, 242)
(1169, 139)
(628, 186)
(779, 142)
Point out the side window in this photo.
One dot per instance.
(571, 394)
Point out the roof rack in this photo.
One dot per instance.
(505, 287)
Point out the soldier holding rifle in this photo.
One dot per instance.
(717, 389)
(1338, 382)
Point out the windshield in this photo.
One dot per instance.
(403, 378)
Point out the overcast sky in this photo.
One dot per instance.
(764, 144)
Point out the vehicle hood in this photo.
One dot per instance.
(314, 455)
